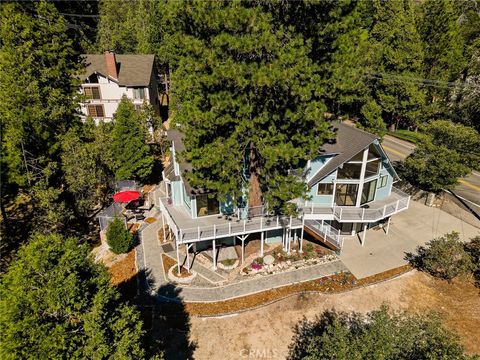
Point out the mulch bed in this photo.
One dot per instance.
(123, 275)
(168, 262)
(334, 284)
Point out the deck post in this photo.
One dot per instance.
(178, 256)
(244, 223)
(214, 255)
(289, 239)
(364, 235)
(363, 214)
(301, 235)
(261, 223)
(262, 239)
(277, 220)
(243, 249)
(384, 210)
(163, 226)
(388, 226)
(187, 248)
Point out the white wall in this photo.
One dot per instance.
(111, 94)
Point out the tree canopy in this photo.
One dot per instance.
(246, 96)
(55, 302)
(380, 334)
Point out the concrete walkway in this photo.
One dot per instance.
(256, 285)
(408, 229)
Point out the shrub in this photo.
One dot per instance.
(380, 334)
(259, 260)
(473, 249)
(444, 257)
(119, 239)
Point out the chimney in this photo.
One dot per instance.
(111, 64)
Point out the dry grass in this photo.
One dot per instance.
(123, 270)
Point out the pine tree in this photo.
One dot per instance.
(245, 94)
(443, 47)
(56, 303)
(37, 88)
(400, 61)
(132, 157)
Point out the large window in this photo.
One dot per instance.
(350, 171)
(139, 93)
(96, 111)
(92, 92)
(373, 153)
(368, 192)
(325, 189)
(372, 168)
(346, 194)
(207, 205)
(383, 181)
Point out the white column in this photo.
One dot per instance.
(187, 249)
(301, 235)
(163, 226)
(262, 239)
(214, 255)
(178, 257)
(388, 226)
(364, 233)
(243, 249)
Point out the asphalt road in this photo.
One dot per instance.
(468, 188)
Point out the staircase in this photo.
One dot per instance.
(324, 233)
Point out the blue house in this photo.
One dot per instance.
(350, 186)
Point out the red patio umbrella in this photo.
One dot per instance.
(126, 196)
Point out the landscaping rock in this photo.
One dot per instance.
(268, 259)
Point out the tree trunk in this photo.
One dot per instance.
(255, 193)
(4, 215)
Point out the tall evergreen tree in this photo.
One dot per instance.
(395, 84)
(245, 94)
(37, 87)
(132, 157)
(443, 47)
(56, 303)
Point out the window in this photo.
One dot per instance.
(138, 108)
(358, 157)
(368, 192)
(372, 168)
(138, 93)
(346, 194)
(383, 181)
(92, 92)
(96, 111)
(325, 189)
(373, 152)
(349, 171)
(207, 205)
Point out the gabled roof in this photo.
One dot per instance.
(133, 70)
(349, 142)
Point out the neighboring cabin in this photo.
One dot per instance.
(109, 76)
(350, 186)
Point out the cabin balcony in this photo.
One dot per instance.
(372, 212)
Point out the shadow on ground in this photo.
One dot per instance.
(166, 323)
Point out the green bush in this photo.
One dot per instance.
(119, 239)
(444, 257)
(473, 249)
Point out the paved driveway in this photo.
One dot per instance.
(409, 229)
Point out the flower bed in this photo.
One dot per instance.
(184, 277)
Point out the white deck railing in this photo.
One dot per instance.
(353, 214)
(236, 228)
(327, 232)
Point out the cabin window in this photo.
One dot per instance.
(346, 194)
(207, 205)
(373, 153)
(138, 93)
(325, 189)
(372, 168)
(368, 192)
(350, 171)
(383, 181)
(96, 111)
(92, 92)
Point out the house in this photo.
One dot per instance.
(350, 185)
(108, 77)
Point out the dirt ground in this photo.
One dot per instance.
(266, 333)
